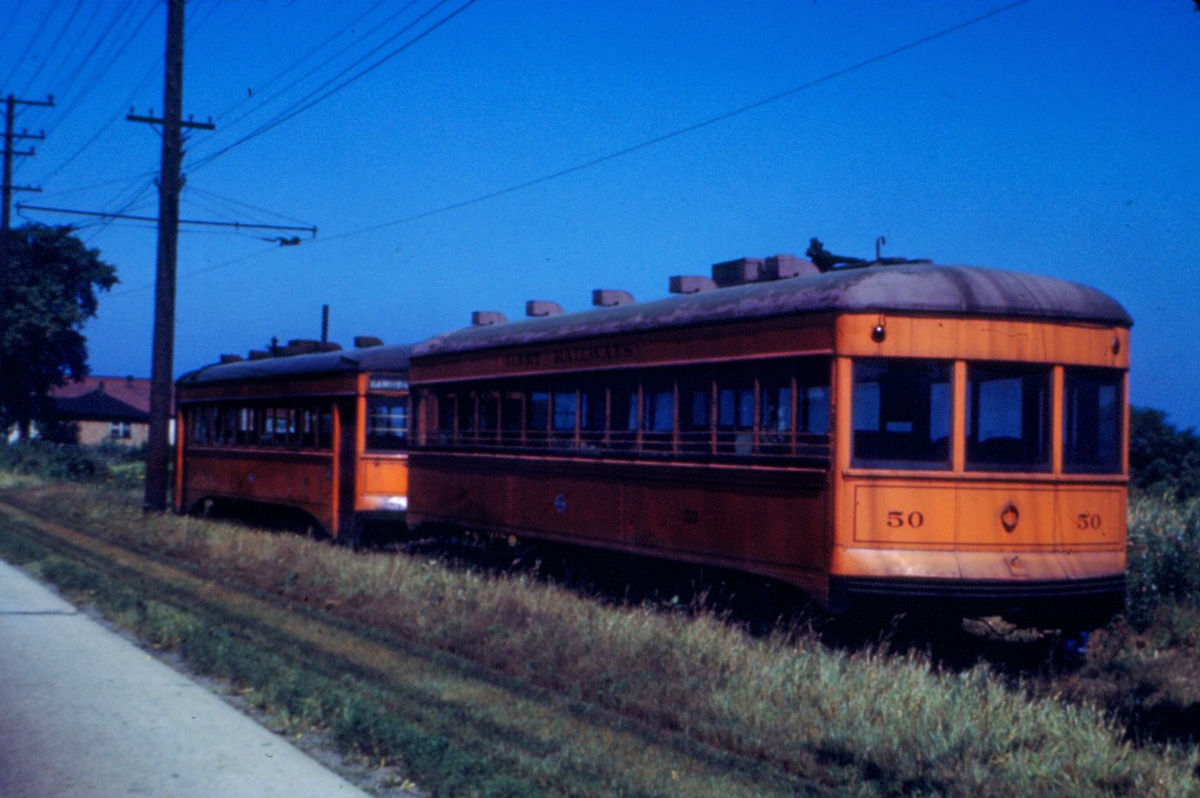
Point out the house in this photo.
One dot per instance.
(105, 409)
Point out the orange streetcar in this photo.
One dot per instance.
(890, 433)
(319, 438)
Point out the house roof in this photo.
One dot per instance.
(103, 399)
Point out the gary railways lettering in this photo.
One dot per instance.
(570, 356)
(600, 353)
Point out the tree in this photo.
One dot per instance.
(1162, 458)
(50, 282)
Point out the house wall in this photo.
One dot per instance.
(92, 433)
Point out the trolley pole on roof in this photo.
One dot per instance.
(158, 447)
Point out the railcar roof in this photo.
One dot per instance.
(907, 288)
(374, 358)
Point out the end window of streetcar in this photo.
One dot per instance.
(902, 413)
(387, 423)
(1008, 417)
(1093, 419)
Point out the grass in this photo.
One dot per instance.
(111, 465)
(859, 723)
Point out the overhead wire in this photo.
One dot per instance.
(825, 78)
(29, 46)
(11, 23)
(302, 59)
(155, 69)
(51, 51)
(611, 156)
(231, 202)
(84, 29)
(111, 56)
(305, 104)
(151, 72)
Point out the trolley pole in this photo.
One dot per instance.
(158, 448)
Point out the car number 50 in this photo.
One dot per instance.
(899, 518)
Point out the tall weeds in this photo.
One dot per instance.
(886, 725)
(1164, 556)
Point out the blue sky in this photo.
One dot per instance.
(1053, 136)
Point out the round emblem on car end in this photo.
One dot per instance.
(1010, 517)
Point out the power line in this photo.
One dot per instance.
(83, 31)
(201, 222)
(7, 27)
(49, 54)
(110, 58)
(298, 110)
(29, 47)
(239, 203)
(295, 64)
(830, 76)
(597, 161)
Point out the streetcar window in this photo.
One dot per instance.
(201, 422)
(735, 412)
(623, 416)
(325, 431)
(307, 438)
(658, 415)
(538, 423)
(387, 423)
(465, 432)
(1093, 417)
(562, 420)
(775, 411)
(229, 422)
(1008, 417)
(278, 425)
(593, 415)
(901, 414)
(446, 405)
(247, 430)
(812, 400)
(512, 414)
(489, 416)
(695, 414)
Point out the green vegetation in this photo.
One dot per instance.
(784, 714)
(483, 685)
(109, 465)
(48, 289)
(1164, 558)
(1163, 460)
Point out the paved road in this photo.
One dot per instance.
(85, 713)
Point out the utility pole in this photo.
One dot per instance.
(10, 135)
(158, 447)
(6, 190)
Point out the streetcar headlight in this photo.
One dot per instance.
(398, 503)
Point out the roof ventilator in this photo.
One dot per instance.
(689, 284)
(758, 270)
(538, 308)
(611, 298)
(486, 318)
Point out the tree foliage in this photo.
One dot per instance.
(1162, 458)
(50, 285)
